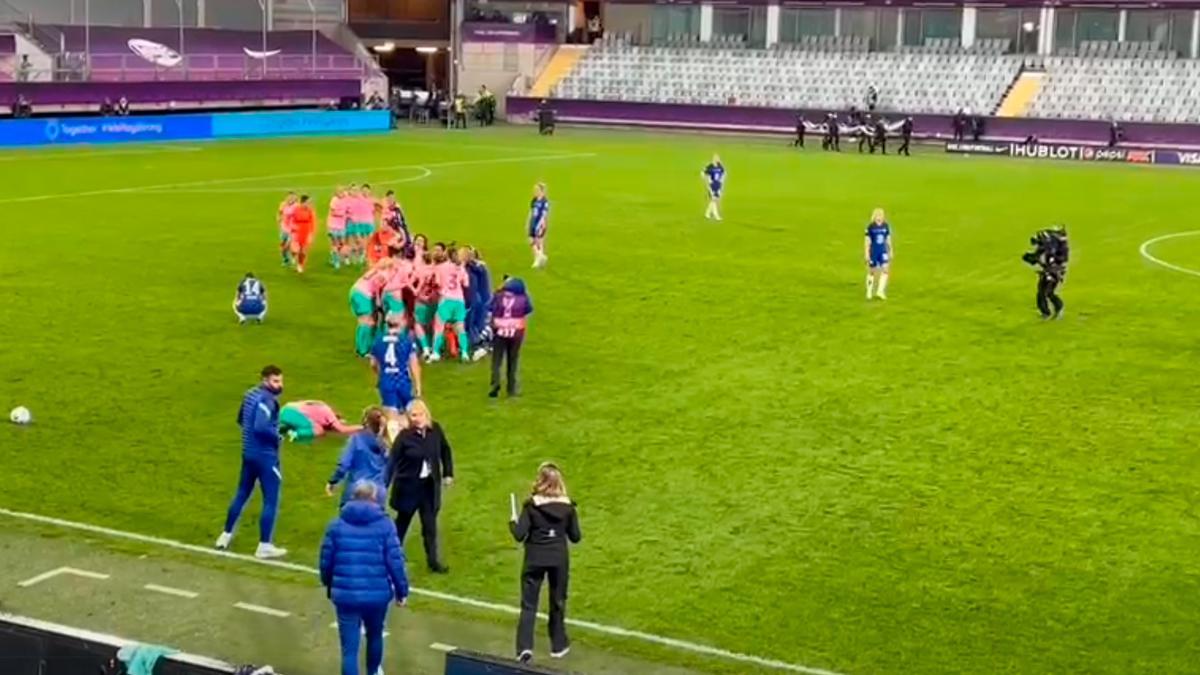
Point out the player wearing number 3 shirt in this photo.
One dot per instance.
(394, 359)
(510, 307)
(452, 280)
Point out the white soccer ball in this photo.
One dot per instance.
(20, 415)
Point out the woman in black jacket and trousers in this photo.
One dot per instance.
(546, 523)
(419, 465)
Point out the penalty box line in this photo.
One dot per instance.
(166, 187)
(682, 645)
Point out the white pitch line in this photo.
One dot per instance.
(46, 576)
(442, 647)
(682, 645)
(167, 590)
(364, 630)
(425, 173)
(1144, 249)
(301, 174)
(259, 609)
(44, 156)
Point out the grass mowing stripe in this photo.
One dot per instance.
(481, 604)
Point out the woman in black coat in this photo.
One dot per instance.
(419, 465)
(546, 523)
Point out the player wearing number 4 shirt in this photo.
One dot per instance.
(394, 359)
(877, 249)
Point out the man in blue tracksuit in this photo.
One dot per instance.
(259, 419)
(362, 569)
(479, 295)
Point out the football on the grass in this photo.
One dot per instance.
(20, 415)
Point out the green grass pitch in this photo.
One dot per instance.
(765, 462)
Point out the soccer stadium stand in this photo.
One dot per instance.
(1127, 89)
(206, 54)
(832, 76)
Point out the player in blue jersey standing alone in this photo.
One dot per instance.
(259, 419)
(539, 213)
(877, 248)
(714, 178)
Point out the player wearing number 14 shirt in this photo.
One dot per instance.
(394, 359)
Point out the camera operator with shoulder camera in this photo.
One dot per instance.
(1050, 255)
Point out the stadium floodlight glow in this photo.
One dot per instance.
(427, 50)
(1029, 26)
(385, 48)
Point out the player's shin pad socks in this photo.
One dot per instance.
(464, 346)
(439, 341)
(423, 341)
(362, 339)
(870, 284)
(883, 279)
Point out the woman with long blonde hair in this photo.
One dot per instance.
(421, 463)
(546, 523)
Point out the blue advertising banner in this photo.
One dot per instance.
(104, 130)
(77, 130)
(300, 122)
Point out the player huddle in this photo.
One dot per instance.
(355, 238)
(424, 292)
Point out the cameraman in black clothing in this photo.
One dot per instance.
(1050, 255)
(546, 523)
(800, 129)
(906, 129)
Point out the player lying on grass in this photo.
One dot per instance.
(306, 420)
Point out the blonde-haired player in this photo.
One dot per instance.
(539, 214)
(877, 249)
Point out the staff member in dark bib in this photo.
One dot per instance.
(420, 464)
(546, 523)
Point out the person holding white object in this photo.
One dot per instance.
(546, 523)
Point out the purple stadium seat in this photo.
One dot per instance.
(139, 54)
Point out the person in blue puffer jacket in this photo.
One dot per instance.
(364, 458)
(362, 569)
